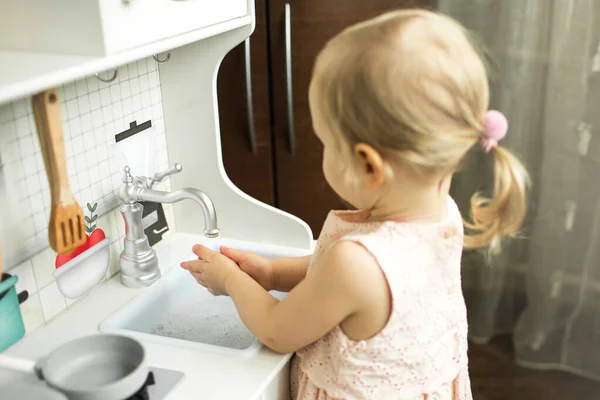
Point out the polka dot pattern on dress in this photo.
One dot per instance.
(421, 354)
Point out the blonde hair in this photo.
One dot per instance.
(411, 84)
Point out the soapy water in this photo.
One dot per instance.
(210, 320)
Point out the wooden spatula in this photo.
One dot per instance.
(66, 229)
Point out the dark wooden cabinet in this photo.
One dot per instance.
(248, 165)
(286, 169)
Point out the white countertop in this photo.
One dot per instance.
(207, 375)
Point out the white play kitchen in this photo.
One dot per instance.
(110, 170)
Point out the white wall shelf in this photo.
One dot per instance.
(23, 74)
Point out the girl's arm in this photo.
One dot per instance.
(282, 274)
(341, 285)
(288, 272)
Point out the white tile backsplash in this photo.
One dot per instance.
(93, 112)
(53, 302)
(43, 267)
(31, 310)
(115, 252)
(26, 280)
(6, 114)
(108, 224)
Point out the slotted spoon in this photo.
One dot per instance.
(66, 230)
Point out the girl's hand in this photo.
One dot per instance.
(211, 269)
(258, 267)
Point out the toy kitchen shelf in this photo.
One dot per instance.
(25, 73)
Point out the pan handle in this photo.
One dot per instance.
(24, 295)
(18, 364)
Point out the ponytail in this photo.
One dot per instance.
(502, 216)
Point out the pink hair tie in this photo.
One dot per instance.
(495, 127)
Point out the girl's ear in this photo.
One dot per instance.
(370, 164)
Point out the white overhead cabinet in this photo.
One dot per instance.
(103, 27)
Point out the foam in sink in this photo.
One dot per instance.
(178, 310)
(215, 323)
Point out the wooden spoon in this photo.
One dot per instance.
(66, 230)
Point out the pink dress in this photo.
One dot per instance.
(421, 353)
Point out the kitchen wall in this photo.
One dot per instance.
(92, 112)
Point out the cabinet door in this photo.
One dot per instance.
(246, 137)
(307, 24)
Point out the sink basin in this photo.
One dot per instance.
(177, 311)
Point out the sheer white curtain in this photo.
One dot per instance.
(544, 58)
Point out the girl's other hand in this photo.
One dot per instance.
(211, 269)
(258, 267)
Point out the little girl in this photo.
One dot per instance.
(399, 102)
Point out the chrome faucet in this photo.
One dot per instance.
(138, 261)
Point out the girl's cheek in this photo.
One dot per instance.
(335, 176)
(327, 170)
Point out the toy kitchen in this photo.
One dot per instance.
(110, 171)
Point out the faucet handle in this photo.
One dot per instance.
(127, 178)
(173, 169)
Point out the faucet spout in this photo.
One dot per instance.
(208, 209)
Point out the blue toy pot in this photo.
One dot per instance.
(11, 321)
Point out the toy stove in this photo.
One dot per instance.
(158, 385)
